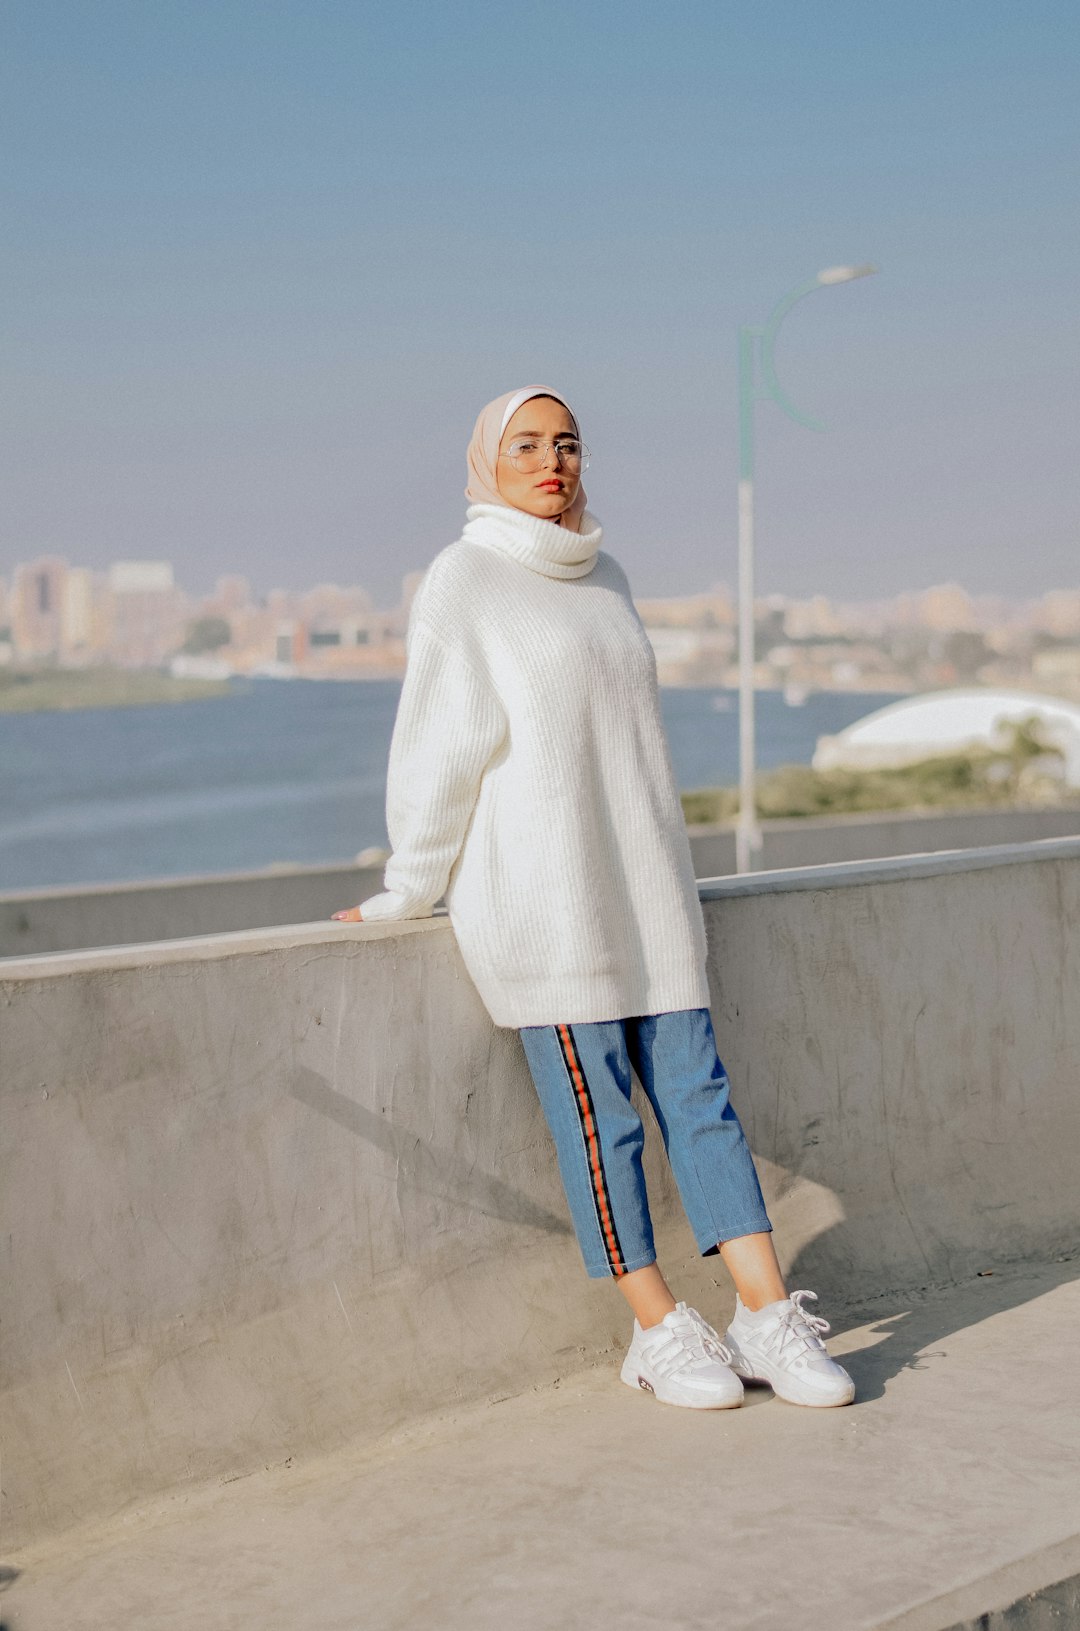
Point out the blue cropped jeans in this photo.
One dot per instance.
(583, 1074)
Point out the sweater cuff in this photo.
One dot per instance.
(389, 905)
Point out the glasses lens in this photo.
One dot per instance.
(529, 456)
(526, 456)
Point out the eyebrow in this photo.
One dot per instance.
(560, 435)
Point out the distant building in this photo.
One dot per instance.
(80, 629)
(327, 603)
(290, 643)
(232, 593)
(805, 619)
(1059, 613)
(141, 577)
(947, 607)
(147, 613)
(712, 610)
(37, 597)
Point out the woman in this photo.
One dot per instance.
(529, 781)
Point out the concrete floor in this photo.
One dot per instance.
(950, 1487)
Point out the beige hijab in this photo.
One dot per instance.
(483, 486)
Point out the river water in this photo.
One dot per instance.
(282, 771)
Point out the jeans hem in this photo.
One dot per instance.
(759, 1226)
(605, 1271)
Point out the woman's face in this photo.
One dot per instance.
(551, 489)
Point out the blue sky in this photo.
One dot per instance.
(264, 262)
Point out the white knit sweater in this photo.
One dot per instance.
(530, 782)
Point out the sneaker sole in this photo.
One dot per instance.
(815, 1403)
(632, 1376)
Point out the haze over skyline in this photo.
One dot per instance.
(265, 263)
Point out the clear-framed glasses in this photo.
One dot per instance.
(527, 455)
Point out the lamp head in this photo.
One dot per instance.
(844, 274)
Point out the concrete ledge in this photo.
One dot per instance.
(1009, 1598)
(848, 874)
(946, 1492)
(267, 1194)
(35, 921)
(212, 947)
(899, 869)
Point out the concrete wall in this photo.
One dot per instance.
(834, 840)
(33, 921)
(267, 1193)
(47, 920)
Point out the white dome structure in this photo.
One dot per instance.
(949, 722)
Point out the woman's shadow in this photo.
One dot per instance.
(907, 1326)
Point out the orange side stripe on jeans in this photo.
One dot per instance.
(597, 1178)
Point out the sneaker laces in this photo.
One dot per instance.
(708, 1340)
(681, 1345)
(798, 1324)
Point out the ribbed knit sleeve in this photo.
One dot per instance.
(449, 723)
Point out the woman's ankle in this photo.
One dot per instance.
(648, 1294)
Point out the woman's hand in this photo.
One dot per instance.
(351, 916)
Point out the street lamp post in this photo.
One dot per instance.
(747, 831)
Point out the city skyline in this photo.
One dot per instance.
(55, 615)
(201, 583)
(156, 574)
(258, 284)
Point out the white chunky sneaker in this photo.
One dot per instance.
(682, 1361)
(782, 1344)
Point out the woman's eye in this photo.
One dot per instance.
(523, 447)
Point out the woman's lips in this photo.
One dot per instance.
(551, 486)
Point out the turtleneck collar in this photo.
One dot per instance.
(536, 543)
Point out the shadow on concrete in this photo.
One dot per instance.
(432, 1171)
(910, 1339)
(8, 1576)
